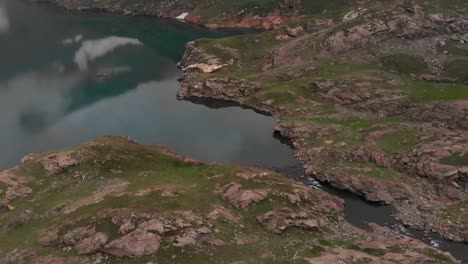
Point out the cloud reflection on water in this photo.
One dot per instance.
(4, 20)
(93, 49)
(42, 95)
(47, 102)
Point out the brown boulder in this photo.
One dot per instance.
(380, 196)
(72, 237)
(48, 238)
(294, 32)
(153, 225)
(240, 198)
(135, 244)
(91, 244)
(454, 194)
(189, 238)
(222, 213)
(58, 163)
(278, 220)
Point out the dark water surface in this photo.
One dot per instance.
(66, 78)
(56, 92)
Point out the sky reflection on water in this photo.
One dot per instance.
(86, 76)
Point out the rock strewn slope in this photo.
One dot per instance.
(114, 201)
(213, 13)
(374, 102)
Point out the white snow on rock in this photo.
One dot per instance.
(182, 16)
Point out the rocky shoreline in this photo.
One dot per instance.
(410, 27)
(146, 203)
(192, 11)
(423, 200)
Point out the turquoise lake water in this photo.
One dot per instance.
(66, 78)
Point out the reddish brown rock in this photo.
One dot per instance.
(294, 32)
(153, 225)
(135, 244)
(278, 220)
(241, 198)
(74, 236)
(58, 163)
(91, 244)
(48, 237)
(222, 213)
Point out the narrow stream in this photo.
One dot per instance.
(361, 213)
(66, 78)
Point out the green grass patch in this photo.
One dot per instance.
(456, 212)
(437, 256)
(456, 160)
(421, 91)
(347, 138)
(457, 69)
(454, 49)
(331, 70)
(400, 141)
(363, 168)
(213, 49)
(404, 63)
(356, 123)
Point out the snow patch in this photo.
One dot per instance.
(182, 16)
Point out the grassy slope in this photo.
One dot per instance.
(289, 87)
(110, 161)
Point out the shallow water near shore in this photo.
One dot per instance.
(66, 78)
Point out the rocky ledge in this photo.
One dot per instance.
(374, 101)
(114, 201)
